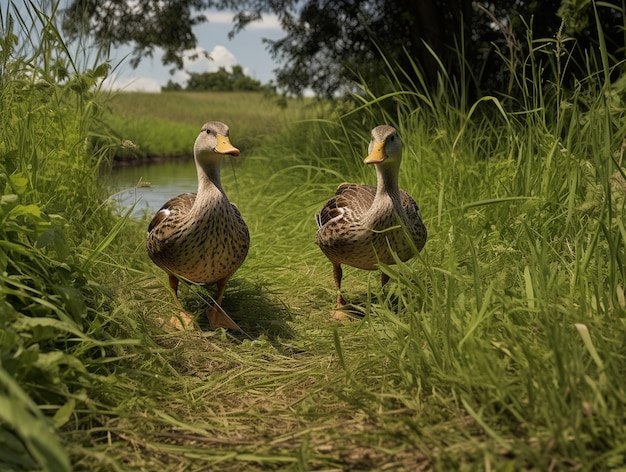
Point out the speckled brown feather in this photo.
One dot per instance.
(206, 250)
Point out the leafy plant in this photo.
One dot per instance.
(51, 224)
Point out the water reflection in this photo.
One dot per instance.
(150, 186)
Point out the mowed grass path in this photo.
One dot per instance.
(497, 347)
(270, 401)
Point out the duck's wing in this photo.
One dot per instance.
(354, 199)
(415, 225)
(241, 223)
(410, 206)
(178, 205)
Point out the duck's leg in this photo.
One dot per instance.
(216, 315)
(338, 274)
(338, 313)
(183, 320)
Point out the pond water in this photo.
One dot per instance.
(149, 186)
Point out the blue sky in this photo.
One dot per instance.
(245, 49)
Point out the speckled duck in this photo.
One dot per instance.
(362, 225)
(202, 237)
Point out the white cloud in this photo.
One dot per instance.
(222, 57)
(196, 60)
(220, 16)
(268, 22)
(131, 84)
(201, 60)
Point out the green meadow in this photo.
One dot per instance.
(499, 347)
(166, 125)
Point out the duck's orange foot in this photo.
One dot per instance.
(339, 315)
(182, 321)
(344, 314)
(219, 319)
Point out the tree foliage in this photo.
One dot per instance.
(330, 43)
(147, 25)
(223, 81)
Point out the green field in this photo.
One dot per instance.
(162, 125)
(499, 347)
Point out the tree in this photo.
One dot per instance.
(146, 24)
(223, 81)
(330, 43)
(172, 86)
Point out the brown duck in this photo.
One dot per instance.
(362, 225)
(202, 237)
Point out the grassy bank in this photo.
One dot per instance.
(166, 125)
(500, 347)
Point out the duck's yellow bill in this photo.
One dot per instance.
(224, 146)
(377, 155)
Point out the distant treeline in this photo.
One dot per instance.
(221, 81)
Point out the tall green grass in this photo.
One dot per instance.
(509, 326)
(501, 344)
(56, 330)
(499, 347)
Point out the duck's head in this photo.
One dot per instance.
(213, 143)
(385, 148)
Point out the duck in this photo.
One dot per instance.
(363, 225)
(201, 237)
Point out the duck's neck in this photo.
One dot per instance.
(387, 187)
(209, 185)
